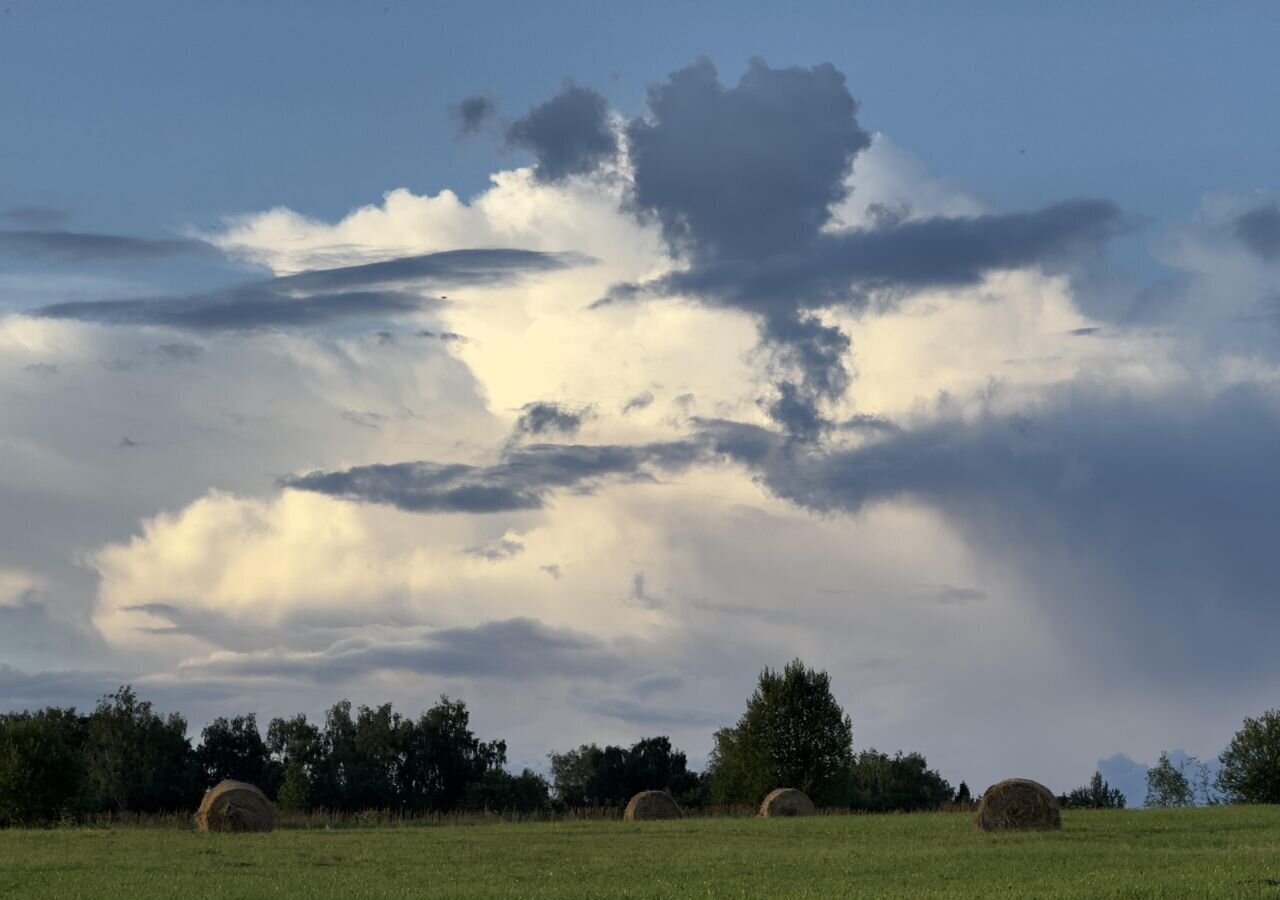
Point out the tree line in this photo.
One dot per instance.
(61, 765)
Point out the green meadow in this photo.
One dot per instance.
(1227, 852)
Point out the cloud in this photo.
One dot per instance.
(871, 269)
(952, 594)
(544, 417)
(521, 480)
(1151, 513)
(640, 593)
(859, 266)
(319, 297)
(732, 173)
(76, 246)
(179, 352)
(243, 309)
(496, 551)
(744, 182)
(642, 400)
(1259, 229)
(36, 216)
(646, 715)
(470, 267)
(567, 135)
(23, 690)
(472, 113)
(518, 648)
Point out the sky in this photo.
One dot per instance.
(582, 360)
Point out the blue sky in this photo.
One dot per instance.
(684, 368)
(147, 116)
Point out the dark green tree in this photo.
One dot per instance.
(373, 779)
(962, 794)
(233, 748)
(294, 741)
(793, 734)
(295, 789)
(442, 758)
(1167, 785)
(653, 764)
(1251, 763)
(42, 772)
(500, 791)
(573, 776)
(137, 760)
(359, 761)
(1097, 794)
(902, 782)
(296, 752)
(591, 776)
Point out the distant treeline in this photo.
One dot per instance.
(123, 757)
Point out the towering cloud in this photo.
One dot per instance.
(567, 135)
(743, 180)
(747, 171)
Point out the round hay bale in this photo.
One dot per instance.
(1018, 804)
(235, 806)
(652, 805)
(786, 802)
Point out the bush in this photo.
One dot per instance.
(1097, 794)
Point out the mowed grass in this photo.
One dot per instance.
(1198, 853)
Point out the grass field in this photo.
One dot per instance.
(1195, 853)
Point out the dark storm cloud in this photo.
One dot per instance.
(567, 135)
(82, 689)
(471, 113)
(76, 246)
(36, 216)
(545, 417)
(871, 268)
(861, 266)
(21, 690)
(732, 173)
(742, 181)
(1147, 523)
(512, 648)
(522, 479)
(321, 296)
(470, 267)
(636, 712)
(1259, 229)
(241, 309)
